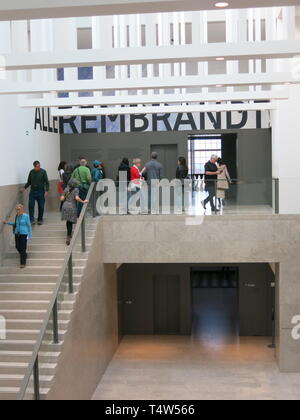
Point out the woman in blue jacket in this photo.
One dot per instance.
(23, 233)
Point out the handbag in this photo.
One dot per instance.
(83, 185)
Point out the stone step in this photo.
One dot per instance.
(41, 262)
(31, 278)
(31, 335)
(8, 393)
(32, 314)
(60, 240)
(24, 324)
(58, 234)
(36, 270)
(25, 356)
(28, 345)
(33, 295)
(24, 314)
(48, 254)
(32, 324)
(15, 381)
(20, 286)
(24, 304)
(14, 368)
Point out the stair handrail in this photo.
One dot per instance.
(33, 367)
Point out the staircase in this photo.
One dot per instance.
(24, 300)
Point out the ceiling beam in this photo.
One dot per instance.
(55, 112)
(154, 99)
(7, 87)
(43, 9)
(143, 55)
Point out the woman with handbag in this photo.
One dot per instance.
(23, 232)
(69, 207)
(223, 183)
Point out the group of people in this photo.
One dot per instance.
(75, 181)
(73, 186)
(217, 182)
(152, 171)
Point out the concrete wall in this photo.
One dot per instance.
(240, 239)
(92, 337)
(286, 145)
(261, 296)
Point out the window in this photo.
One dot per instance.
(84, 38)
(200, 150)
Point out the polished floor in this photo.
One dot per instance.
(214, 364)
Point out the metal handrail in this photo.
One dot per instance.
(33, 365)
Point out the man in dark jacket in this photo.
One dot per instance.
(39, 183)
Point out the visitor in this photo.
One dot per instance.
(153, 171)
(83, 176)
(78, 164)
(22, 231)
(61, 171)
(224, 181)
(136, 186)
(182, 172)
(39, 183)
(67, 175)
(70, 198)
(97, 173)
(211, 177)
(124, 167)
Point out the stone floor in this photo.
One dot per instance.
(180, 368)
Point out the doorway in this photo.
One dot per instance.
(168, 157)
(215, 304)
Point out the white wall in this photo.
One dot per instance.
(20, 144)
(286, 151)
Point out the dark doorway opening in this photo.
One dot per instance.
(215, 304)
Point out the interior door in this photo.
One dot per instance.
(137, 305)
(166, 304)
(257, 300)
(168, 157)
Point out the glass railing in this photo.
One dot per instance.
(37, 379)
(240, 197)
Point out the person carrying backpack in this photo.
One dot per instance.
(84, 178)
(97, 173)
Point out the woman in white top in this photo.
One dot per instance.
(224, 181)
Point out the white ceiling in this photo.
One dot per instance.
(37, 9)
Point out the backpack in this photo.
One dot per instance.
(97, 175)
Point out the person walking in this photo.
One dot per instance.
(153, 171)
(39, 183)
(70, 198)
(224, 181)
(83, 176)
(22, 231)
(211, 177)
